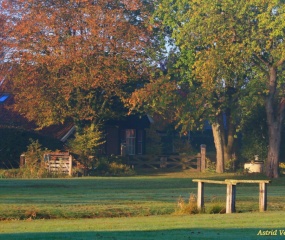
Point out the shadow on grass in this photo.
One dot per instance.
(247, 233)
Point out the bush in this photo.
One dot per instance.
(24, 173)
(210, 166)
(10, 173)
(113, 167)
(86, 144)
(34, 162)
(120, 169)
(102, 165)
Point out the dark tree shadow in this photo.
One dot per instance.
(187, 234)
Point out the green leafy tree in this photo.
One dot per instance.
(86, 144)
(233, 43)
(202, 80)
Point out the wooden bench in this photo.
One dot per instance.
(231, 192)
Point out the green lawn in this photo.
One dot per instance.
(141, 207)
(201, 226)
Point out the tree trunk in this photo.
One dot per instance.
(223, 133)
(218, 139)
(273, 150)
(229, 142)
(275, 116)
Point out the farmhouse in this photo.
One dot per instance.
(127, 136)
(123, 136)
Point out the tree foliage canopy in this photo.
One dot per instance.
(227, 49)
(70, 55)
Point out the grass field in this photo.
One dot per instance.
(141, 207)
(201, 226)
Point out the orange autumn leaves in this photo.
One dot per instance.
(59, 46)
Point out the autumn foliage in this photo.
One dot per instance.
(73, 58)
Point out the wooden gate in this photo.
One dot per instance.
(196, 162)
(59, 162)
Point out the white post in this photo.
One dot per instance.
(231, 198)
(262, 196)
(200, 197)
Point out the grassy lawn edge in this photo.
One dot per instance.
(200, 226)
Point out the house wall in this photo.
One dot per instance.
(115, 136)
(112, 140)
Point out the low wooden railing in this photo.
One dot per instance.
(231, 192)
(170, 162)
(197, 162)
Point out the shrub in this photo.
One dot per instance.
(34, 163)
(102, 165)
(107, 166)
(86, 143)
(10, 173)
(210, 166)
(120, 169)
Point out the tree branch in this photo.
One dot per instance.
(259, 61)
(279, 63)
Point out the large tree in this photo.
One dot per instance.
(201, 81)
(234, 42)
(74, 58)
(264, 40)
(257, 31)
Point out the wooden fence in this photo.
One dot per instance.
(59, 162)
(196, 162)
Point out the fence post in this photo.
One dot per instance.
(199, 162)
(203, 157)
(22, 160)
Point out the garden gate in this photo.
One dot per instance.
(58, 162)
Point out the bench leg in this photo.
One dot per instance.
(262, 197)
(200, 197)
(231, 198)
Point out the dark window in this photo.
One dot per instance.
(131, 141)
